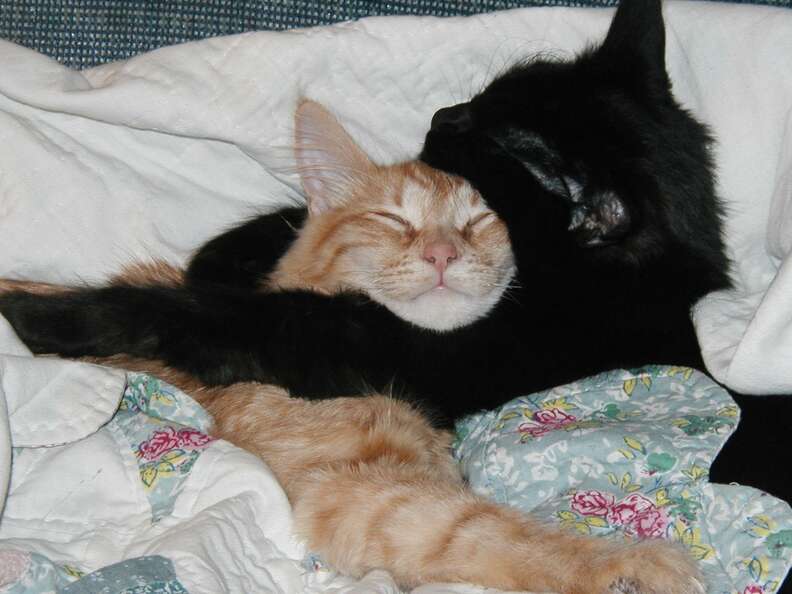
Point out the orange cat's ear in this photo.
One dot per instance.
(328, 160)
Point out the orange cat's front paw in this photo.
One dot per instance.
(648, 567)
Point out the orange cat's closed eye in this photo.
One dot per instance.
(474, 222)
(392, 217)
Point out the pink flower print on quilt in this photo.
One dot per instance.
(168, 438)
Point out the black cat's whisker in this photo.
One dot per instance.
(458, 94)
(542, 56)
(491, 72)
(507, 62)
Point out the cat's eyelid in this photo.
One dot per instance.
(391, 216)
(479, 218)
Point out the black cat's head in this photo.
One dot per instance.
(603, 134)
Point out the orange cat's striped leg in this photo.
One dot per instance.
(361, 516)
(373, 486)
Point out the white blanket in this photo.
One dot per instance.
(156, 154)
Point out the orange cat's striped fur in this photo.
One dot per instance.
(372, 483)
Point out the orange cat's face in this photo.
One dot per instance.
(421, 242)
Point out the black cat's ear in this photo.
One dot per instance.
(602, 219)
(635, 44)
(329, 161)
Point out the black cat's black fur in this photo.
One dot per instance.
(243, 256)
(605, 184)
(607, 189)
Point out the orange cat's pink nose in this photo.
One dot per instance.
(440, 254)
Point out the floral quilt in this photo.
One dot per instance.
(623, 453)
(165, 432)
(628, 453)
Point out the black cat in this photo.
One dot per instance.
(606, 185)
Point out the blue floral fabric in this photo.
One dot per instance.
(143, 575)
(166, 430)
(628, 453)
(34, 574)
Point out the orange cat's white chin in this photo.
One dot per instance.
(442, 308)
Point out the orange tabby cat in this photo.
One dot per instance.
(372, 483)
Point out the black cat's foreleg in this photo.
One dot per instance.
(243, 256)
(97, 322)
(313, 345)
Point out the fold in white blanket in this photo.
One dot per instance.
(152, 156)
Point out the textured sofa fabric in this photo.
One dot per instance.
(84, 33)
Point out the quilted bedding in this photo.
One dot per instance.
(154, 155)
(628, 453)
(116, 487)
